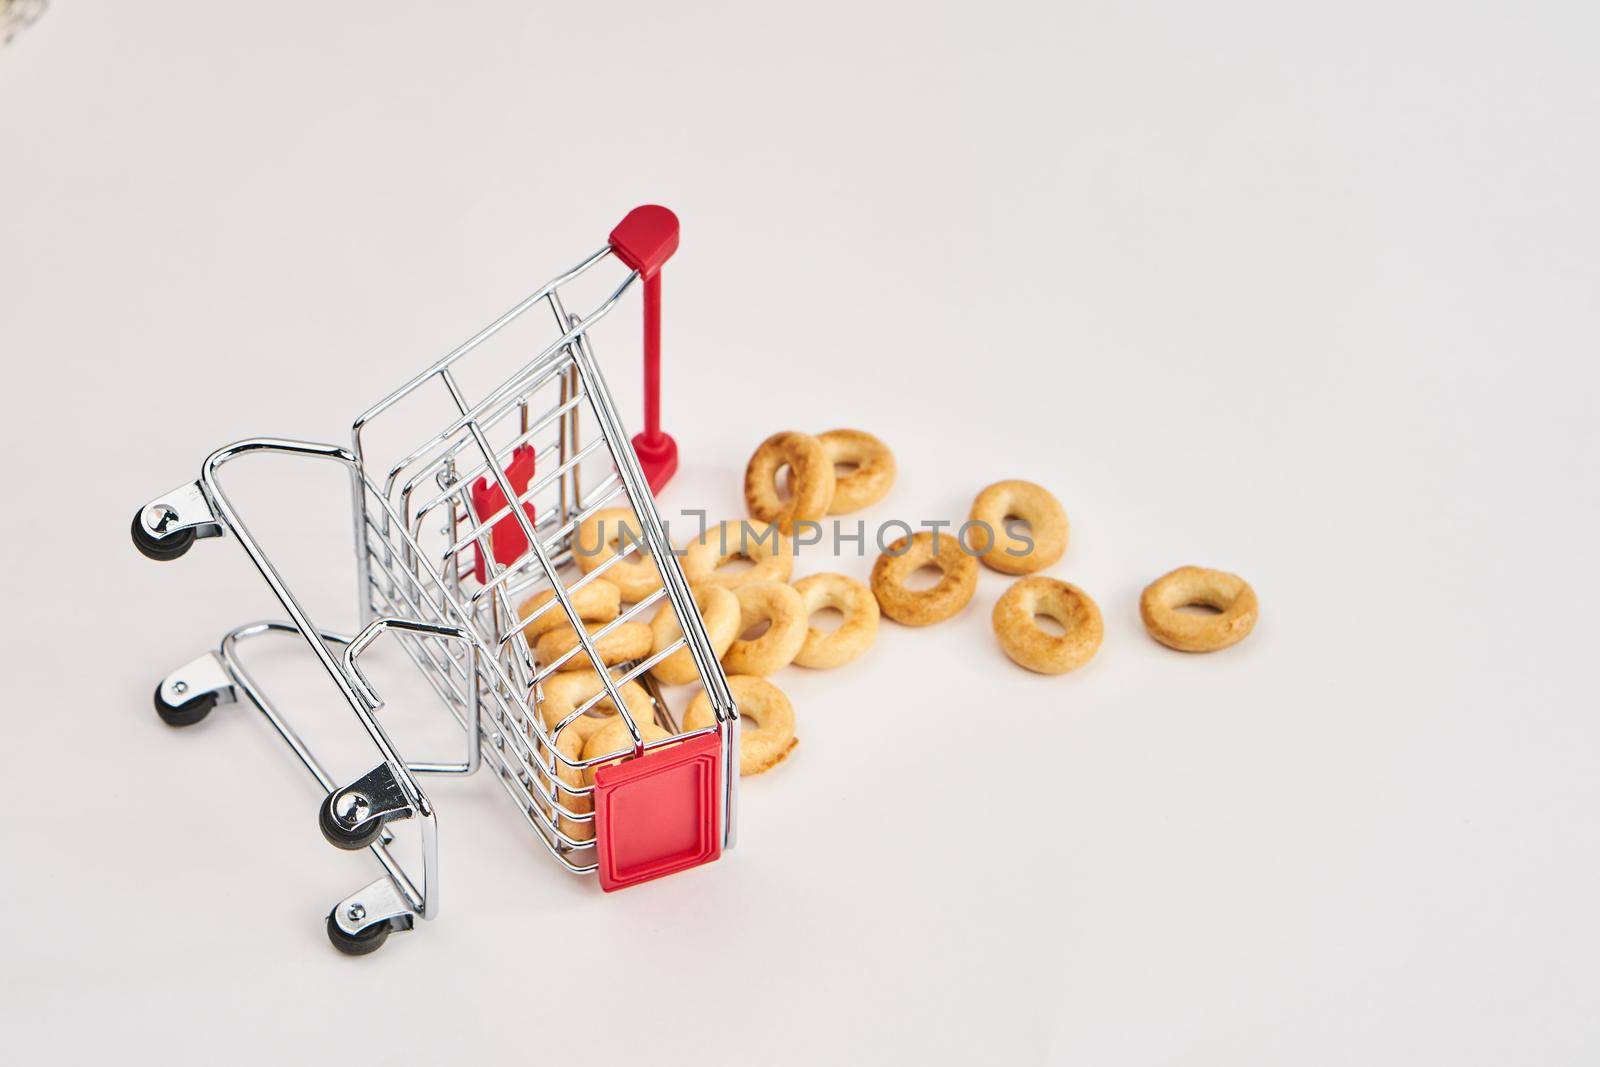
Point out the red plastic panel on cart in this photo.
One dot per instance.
(658, 814)
(507, 537)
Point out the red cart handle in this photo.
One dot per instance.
(645, 240)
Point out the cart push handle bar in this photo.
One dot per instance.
(645, 240)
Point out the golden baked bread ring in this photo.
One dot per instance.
(766, 722)
(719, 610)
(613, 736)
(1229, 594)
(566, 691)
(766, 548)
(854, 635)
(596, 540)
(597, 600)
(924, 607)
(631, 640)
(992, 542)
(874, 474)
(781, 607)
(571, 746)
(1033, 648)
(811, 480)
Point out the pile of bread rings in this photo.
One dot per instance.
(989, 536)
(731, 603)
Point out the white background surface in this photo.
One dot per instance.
(1304, 291)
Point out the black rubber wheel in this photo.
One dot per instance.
(341, 836)
(161, 548)
(186, 714)
(369, 940)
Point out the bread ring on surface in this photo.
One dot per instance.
(924, 607)
(766, 727)
(614, 737)
(765, 547)
(719, 610)
(785, 612)
(1033, 648)
(1230, 594)
(631, 640)
(597, 600)
(566, 691)
(993, 543)
(811, 480)
(597, 540)
(854, 635)
(873, 477)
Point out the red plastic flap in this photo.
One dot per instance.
(659, 814)
(646, 238)
(506, 537)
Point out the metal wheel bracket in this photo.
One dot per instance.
(377, 903)
(185, 508)
(374, 797)
(201, 675)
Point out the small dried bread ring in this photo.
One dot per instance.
(719, 610)
(1033, 648)
(854, 635)
(597, 540)
(631, 640)
(597, 600)
(571, 746)
(811, 480)
(784, 612)
(765, 547)
(611, 737)
(766, 727)
(998, 547)
(566, 691)
(614, 737)
(874, 474)
(1228, 593)
(924, 607)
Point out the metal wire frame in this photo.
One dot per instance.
(528, 771)
(398, 573)
(466, 638)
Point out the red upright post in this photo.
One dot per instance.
(645, 240)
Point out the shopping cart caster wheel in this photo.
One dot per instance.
(339, 834)
(188, 713)
(161, 548)
(369, 940)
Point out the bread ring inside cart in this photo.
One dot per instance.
(611, 736)
(768, 550)
(992, 541)
(571, 746)
(766, 722)
(853, 636)
(614, 737)
(924, 607)
(784, 612)
(719, 610)
(873, 477)
(624, 641)
(567, 691)
(610, 532)
(596, 600)
(811, 481)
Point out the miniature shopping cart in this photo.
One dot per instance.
(452, 537)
